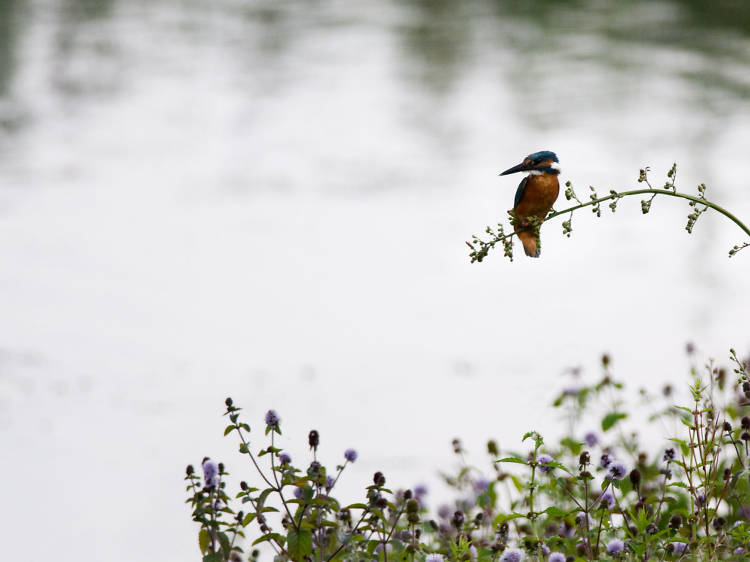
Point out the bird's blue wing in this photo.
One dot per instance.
(519, 191)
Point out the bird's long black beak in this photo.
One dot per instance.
(522, 167)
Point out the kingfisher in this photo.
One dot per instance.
(535, 196)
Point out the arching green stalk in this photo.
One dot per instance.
(499, 236)
(669, 192)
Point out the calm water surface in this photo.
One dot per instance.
(269, 200)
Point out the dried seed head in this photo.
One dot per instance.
(313, 438)
(492, 448)
(458, 519)
(635, 477)
(378, 479)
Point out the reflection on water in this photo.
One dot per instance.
(269, 199)
(549, 55)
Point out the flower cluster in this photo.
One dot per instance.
(592, 495)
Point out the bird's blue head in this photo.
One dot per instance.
(544, 162)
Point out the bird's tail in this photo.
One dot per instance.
(530, 243)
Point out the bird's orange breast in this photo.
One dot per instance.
(538, 197)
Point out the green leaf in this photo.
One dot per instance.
(248, 519)
(575, 446)
(555, 464)
(503, 517)
(204, 539)
(683, 445)
(268, 537)
(611, 419)
(553, 511)
(512, 459)
(228, 429)
(262, 497)
(213, 557)
(226, 546)
(299, 544)
(517, 482)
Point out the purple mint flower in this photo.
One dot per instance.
(272, 418)
(701, 500)
(420, 490)
(615, 546)
(678, 547)
(445, 511)
(739, 551)
(466, 504)
(435, 558)
(668, 455)
(299, 493)
(350, 455)
(543, 461)
(591, 439)
(210, 473)
(481, 485)
(565, 531)
(556, 557)
(608, 500)
(617, 471)
(404, 536)
(329, 483)
(284, 458)
(218, 505)
(605, 461)
(571, 391)
(581, 519)
(545, 549)
(512, 555)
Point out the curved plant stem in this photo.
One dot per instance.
(669, 192)
(499, 236)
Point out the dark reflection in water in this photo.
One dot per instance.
(555, 41)
(437, 42)
(587, 50)
(9, 20)
(83, 51)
